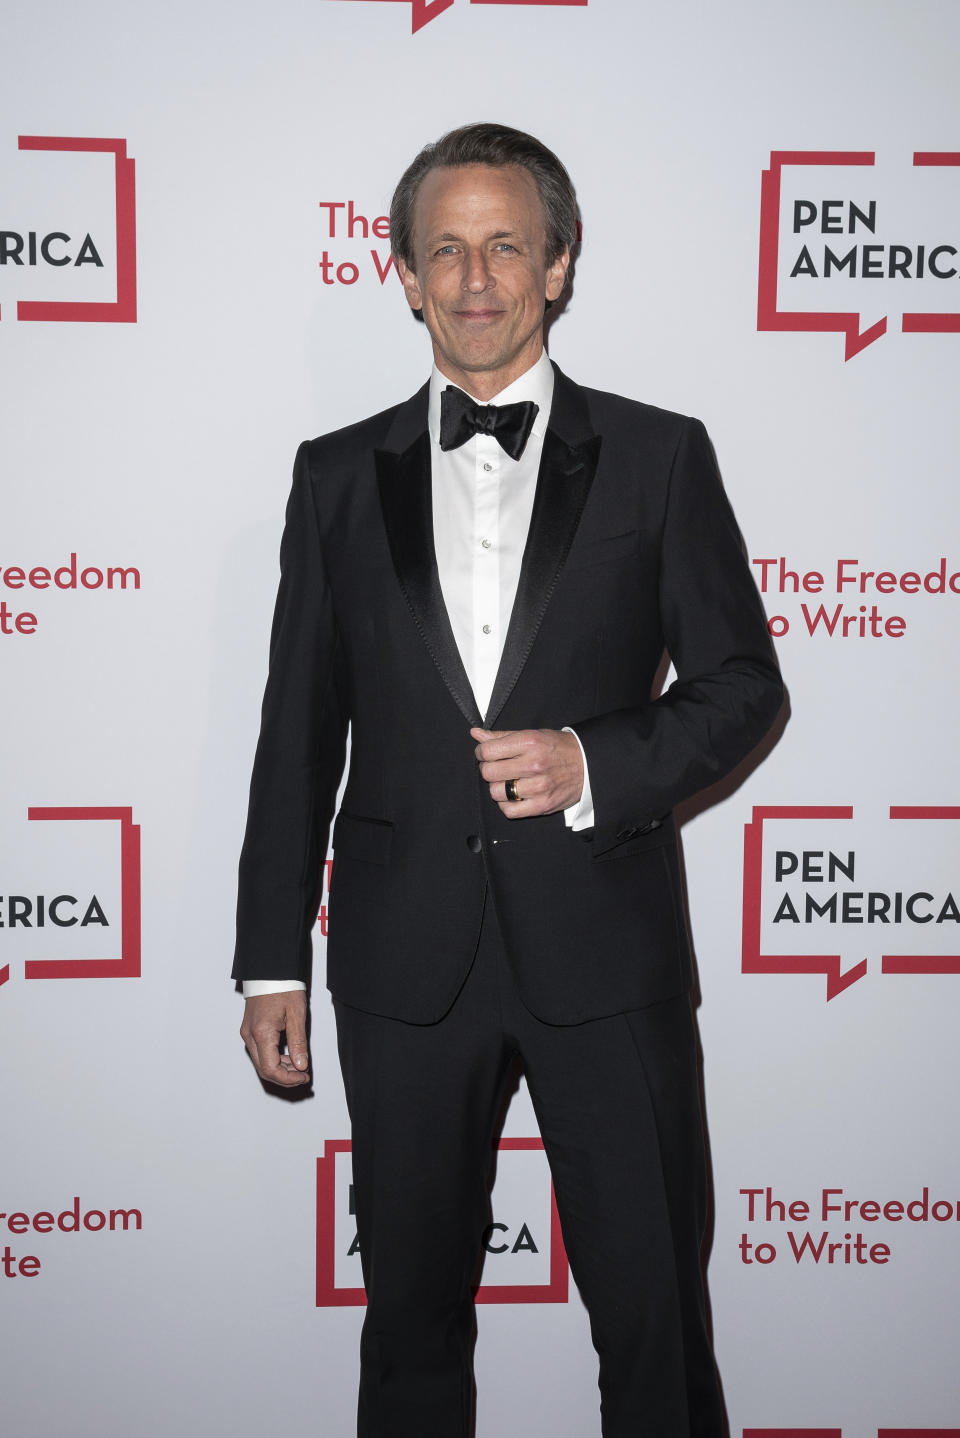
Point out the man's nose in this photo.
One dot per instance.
(476, 272)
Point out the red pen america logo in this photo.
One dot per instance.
(822, 885)
(524, 1257)
(68, 231)
(423, 11)
(71, 902)
(850, 243)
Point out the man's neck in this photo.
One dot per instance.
(485, 385)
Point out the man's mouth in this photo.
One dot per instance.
(477, 316)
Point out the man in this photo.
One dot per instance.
(483, 593)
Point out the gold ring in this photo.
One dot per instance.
(511, 788)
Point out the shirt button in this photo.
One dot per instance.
(473, 843)
(487, 468)
(486, 543)
(486, 629)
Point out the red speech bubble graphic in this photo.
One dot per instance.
(128, 964)
(423, 11)
(754, 962)
(556, 1290)
(769, 317)
(124, 309)
(878, 902)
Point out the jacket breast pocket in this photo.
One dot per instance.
(606, 550)
(369, 840)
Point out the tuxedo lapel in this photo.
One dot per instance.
(567, 468)
(404, 483)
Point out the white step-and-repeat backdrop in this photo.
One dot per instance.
(194, 275)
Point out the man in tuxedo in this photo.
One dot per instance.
(480, 583)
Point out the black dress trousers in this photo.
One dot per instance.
(617, 1102)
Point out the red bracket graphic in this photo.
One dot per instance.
(793, 1433)
(918, 1433)
(768, 316)
(128, 965)
(920, 323)
(754, 962)
(124, 309)
(329, 1296)
(921, 963)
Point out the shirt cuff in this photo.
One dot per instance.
(253, 988)
(580, 815)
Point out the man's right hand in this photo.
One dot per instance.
(265, 1019)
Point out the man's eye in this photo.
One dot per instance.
(445, 250)
(505, 245)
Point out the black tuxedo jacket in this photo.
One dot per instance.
(632, 549)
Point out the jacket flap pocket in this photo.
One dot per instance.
(366, 839)
(635, 839)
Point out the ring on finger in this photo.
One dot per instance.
(511, 790)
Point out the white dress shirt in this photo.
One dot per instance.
(482, 503)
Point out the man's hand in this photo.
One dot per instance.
(265, 1019)
(545, 765)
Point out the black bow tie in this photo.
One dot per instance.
(461, 419)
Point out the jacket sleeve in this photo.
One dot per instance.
(645, 760)
(299, 758)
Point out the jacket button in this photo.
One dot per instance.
(473, 843)
(627, 833)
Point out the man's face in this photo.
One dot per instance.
(481, 278)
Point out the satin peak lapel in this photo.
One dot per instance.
(566, 474)
(404, 483)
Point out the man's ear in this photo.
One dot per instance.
(411, 285)
(557, 275)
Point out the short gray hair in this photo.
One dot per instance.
(496, 145)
